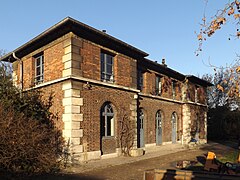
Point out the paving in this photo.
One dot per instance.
(131, 168)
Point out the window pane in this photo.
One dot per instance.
(103, 126)
(38, 61)
(109, 69)
(109, 125)
(38, 71)
(109, 59)
(108, 77)
(112, 126)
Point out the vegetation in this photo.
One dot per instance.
(30, 143)
(223, 114)
(126, 134)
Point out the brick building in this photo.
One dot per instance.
(97, 80)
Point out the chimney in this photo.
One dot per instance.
(164, 62)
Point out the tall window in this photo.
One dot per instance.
(107, 67)
(196, 93)
(158, 86)
(39, 69)
(140, 80)
(174, 85)
(107, 121)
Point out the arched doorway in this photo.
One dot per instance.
(141, 128)
(174, 127)
(107, 140)
(158, 128)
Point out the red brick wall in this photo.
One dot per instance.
(149, 84)
(150, 107)
(93, 100)
(53, 65)
(123, 65)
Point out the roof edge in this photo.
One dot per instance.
(69, 24)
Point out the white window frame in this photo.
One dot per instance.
(105, 75)
(39, 75)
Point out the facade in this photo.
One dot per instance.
(97, 80)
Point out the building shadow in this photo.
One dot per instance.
(50, 177)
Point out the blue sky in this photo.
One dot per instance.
(163, 29)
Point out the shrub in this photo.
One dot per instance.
(30, 143)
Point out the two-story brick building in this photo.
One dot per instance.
(96, 79)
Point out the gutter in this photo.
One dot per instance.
(21, 70)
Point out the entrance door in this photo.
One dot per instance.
(107, 140)
(141, 128)
(158, 128)
(174, 128)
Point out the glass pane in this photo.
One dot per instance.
(108, 77)
(103, 126)
(109, 69)
(42, 59)
(109, 109)
(102, 76)
(109, 59)
(112, 126)
(109, 125)
(102, 57)
(38, 71)
(102, 67)
(38, 61)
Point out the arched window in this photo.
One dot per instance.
(107, 120)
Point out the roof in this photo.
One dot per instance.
(82, 30)
(199, 81)
(163, 69)
(87, 32)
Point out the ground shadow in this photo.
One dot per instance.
(51, 177)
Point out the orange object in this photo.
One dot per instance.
(211, 163)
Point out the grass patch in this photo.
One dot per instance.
(230, 157)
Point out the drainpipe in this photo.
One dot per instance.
(21, 70)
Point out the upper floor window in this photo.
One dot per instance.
(107, 67)
(39, 69)
(158, 88)
(174, 86)
(196, 93)
(140, 80)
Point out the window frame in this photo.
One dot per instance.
(39, 77)
(108, 127)
(140, 80)
(158, 85)
(174, 86)
(104, 67)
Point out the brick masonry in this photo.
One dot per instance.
(73, 73)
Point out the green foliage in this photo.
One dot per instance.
(30, 143)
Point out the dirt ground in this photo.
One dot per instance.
(127, 168)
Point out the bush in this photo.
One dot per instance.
(30, 143)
